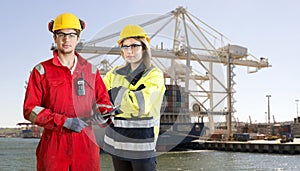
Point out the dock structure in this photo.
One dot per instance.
(260, 146)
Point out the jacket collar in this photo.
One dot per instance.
(126, 70)
(132, 77)
(57, 62)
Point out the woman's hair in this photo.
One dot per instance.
(146, 58)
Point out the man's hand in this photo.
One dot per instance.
(75, 124)
(99, 118)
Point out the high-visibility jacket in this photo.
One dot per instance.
(51, 97)
(135, 129)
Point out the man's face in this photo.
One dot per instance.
(66, 40)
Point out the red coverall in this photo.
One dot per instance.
(51, 97)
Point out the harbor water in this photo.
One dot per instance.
(17, 154)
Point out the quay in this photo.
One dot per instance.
(255, 146)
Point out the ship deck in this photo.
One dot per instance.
(253, 146)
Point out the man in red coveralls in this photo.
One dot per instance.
(61, 92)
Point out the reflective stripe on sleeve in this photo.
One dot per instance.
(141, 101)
(120, 95)
(35, 111)
(94, 69)
(136, 123)
(40, 69)
(103, 105)
(130, 146)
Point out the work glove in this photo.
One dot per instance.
(99, 118)
(75, 124)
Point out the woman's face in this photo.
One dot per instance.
(132, 52)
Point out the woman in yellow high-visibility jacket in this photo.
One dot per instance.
(139, 88)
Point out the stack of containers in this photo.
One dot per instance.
(175, 100)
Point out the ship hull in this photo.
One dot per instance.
(178, 134)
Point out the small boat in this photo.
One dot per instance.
(30, 131)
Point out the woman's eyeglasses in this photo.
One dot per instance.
(132, 47)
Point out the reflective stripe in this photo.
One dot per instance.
(129, 154)
(141, 101)
(130, 146)
(35, 111)
(120, 95)
(131, 135)
(94, 69)
(40, 69)
(136, 123)
(103, 105)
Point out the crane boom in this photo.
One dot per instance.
(168, 54)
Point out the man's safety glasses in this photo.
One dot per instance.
(62, 35)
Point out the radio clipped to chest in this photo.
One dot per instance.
(80, 85)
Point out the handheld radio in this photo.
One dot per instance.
(80, 85)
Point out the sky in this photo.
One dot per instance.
(267, 28)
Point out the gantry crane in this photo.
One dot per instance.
(190, 52)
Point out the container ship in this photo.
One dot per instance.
(176, 125)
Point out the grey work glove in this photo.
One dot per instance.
(75, 124)
(97, 119)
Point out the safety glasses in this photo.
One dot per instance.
(131, 47)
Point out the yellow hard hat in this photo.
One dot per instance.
(64, 21)
(133, 31)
